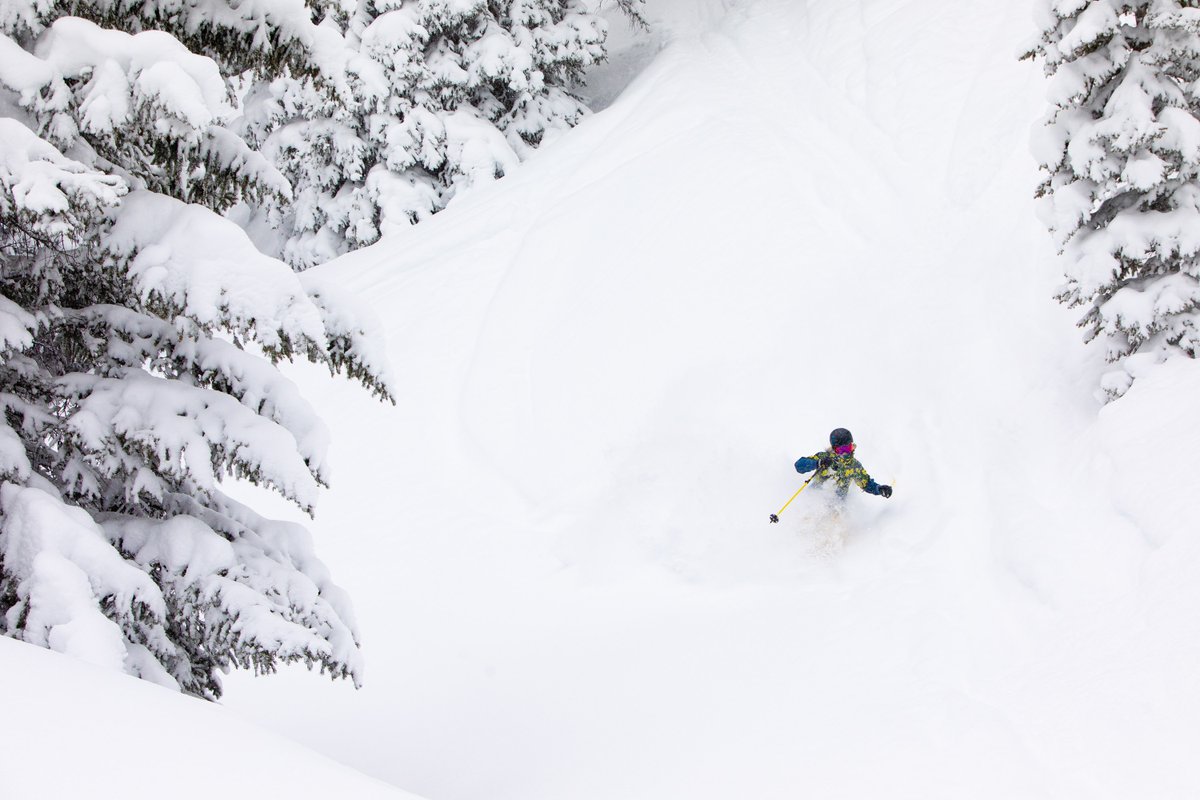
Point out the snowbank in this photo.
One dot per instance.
(78, 731)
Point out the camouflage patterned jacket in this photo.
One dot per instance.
(844, 470)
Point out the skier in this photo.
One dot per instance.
(839, 464)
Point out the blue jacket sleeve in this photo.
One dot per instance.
(872, 487)
(806, 465)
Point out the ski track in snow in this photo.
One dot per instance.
(801, 215)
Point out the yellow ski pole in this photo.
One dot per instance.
(775, 517)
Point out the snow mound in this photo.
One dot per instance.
(80, 731)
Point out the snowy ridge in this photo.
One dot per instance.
(800, 216)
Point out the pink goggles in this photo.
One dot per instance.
(845, 449)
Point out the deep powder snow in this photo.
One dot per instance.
(802, 215)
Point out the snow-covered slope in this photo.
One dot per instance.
(75, 730)
(802, 215)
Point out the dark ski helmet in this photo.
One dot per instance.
(840, 438)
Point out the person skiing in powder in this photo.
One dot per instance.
(839, 465)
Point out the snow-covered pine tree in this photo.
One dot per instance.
(1121, 149)
(453, 92)
(139, 337)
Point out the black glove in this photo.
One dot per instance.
(885, 491)
(824, 460)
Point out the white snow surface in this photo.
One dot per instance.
(801, 215)
(80, 731)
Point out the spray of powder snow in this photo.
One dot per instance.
(699, 538)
